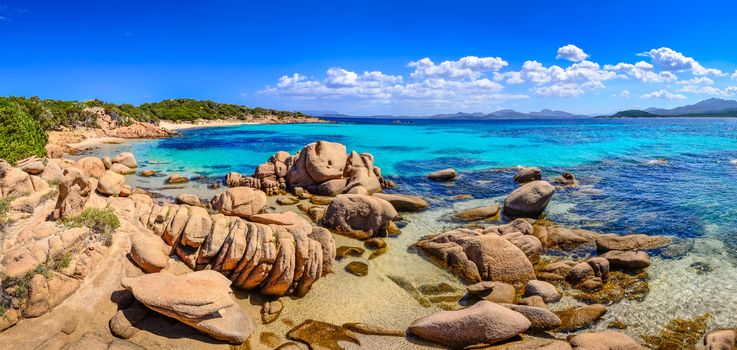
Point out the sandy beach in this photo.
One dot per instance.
(173, 126)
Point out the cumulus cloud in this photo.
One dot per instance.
(571, 81)
(572, 53)
(670, 60)
(378, 87)
(710, 90)
(696, 81)
(663, 95)
(469, 67)
(642, 71)
(479, 81)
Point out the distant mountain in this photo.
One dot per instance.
(321, 113)
(712, 105)
(510, 114)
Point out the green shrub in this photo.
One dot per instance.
(62, 261)
(21, 136)
(100, 221)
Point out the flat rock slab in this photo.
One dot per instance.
(202, 300)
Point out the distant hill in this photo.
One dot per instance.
(510, 114)
(713, 107)
(706, 106)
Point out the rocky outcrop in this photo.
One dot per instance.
(476, 256)
(202, 300)
(627, 259)
(359, 216)
(529, 200)
(483, 323)
(321, 168)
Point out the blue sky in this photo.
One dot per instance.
(374, 57)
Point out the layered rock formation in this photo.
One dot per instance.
(322, 168)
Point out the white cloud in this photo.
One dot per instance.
(696, 81)
(642, 71)
(669, 60)
(710, 90)
(572, 53)
(469, 67)
(663, 95)
(381, 88)
(734, 75)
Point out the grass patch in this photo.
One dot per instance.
(62, 261)
(101, 222)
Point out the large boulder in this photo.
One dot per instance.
(110, 183)
(122, 169)
(91, 166)
(359, 216)
(316, 163)
(482, 323)
(127, 159)
(722, 339)
(14, 181)
(148, 251)
(529, 200)
(480, 257)
(201, 299)
(360, 172)
(402, 202)
(239, 201)
(543, 289)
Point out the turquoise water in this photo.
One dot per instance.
(623, 188)
(653, 176)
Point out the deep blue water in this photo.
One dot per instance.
(622, 190)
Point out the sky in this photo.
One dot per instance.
(374, 57)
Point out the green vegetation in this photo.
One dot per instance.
(635, 113)
(21, 135)
(62, 261)
(56, 114)
(100, 221)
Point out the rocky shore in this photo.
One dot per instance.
(87, 261)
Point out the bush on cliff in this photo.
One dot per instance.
(21, 135)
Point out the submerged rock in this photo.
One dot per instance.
(723, 339)
(403, 202)
(482, 323)
(490, 212)
(373, 329)
(443, 175)
(528, 174)
(627, 259)
(321, 335)
(605, 340)
(581, 317)
(357, 268)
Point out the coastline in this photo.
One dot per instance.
(205, 123)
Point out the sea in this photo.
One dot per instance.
(660, 176)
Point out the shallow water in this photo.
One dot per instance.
(623, 189)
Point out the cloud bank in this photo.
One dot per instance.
(474, 81)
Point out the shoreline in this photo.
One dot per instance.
(204, 123)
